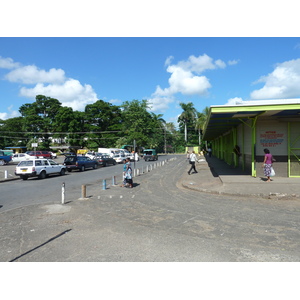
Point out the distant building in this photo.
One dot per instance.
(239, 133)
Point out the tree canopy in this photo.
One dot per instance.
(101, 124)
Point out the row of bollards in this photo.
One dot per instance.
(136, 172)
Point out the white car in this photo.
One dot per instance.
(16, 158)
(40, 168)
(119, 157)
(134, 157)
(54, 155)
(91, 155)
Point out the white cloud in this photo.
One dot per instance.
(160, 103)
(233, 62)
(11, 114)
(32, 75)
(71, 93)
(186, 83)
(219, 63)
(185, 79)
(200, 64)
(8, 63)
(115, 101)
(52, 83)
(234, 101)
(168, 60)
(283, 82)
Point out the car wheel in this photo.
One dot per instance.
(42, 175)
(62, 172)
(69, 170)
(2, 162)
(82, 168)
(24, 177)
(95, 166)
(114, 163)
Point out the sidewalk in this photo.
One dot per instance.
(215, 176)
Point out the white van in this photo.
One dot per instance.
(110, 151)
(125, 152)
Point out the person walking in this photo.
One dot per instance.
(193, 159)
(209, 151)
(267, 164)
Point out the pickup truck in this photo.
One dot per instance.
(4, 159)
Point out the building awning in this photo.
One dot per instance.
(223, 118)
(18, 147)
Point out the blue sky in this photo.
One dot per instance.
(165, 70)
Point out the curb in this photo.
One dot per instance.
(9, 179)
(277, 196)
(197, 187)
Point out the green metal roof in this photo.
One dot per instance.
(222, 118)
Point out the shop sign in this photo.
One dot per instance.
(271, 138)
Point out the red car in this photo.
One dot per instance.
(40, 154)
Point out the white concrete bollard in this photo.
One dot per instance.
(63, 193)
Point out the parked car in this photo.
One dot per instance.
(17, 157)
(4, 158)
(39, 154)
(119, 156)
(104, 160)
(53, 154)
(150, 154)
(73, 162)
(134, 157)
(91, 155)
(40, 168)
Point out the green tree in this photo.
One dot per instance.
(39, 118)
(103, 122)
(175, 140)
(137, 123)
(62, 125)
(187, 117)
(11, 133)
(201, 121)
(77, 130)
(158, 137)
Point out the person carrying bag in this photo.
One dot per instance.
(193, 159)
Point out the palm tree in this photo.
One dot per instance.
(161, 124)
(201, 121)
(189, 114)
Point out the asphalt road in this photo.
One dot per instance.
(158, 220)
(21, 193)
